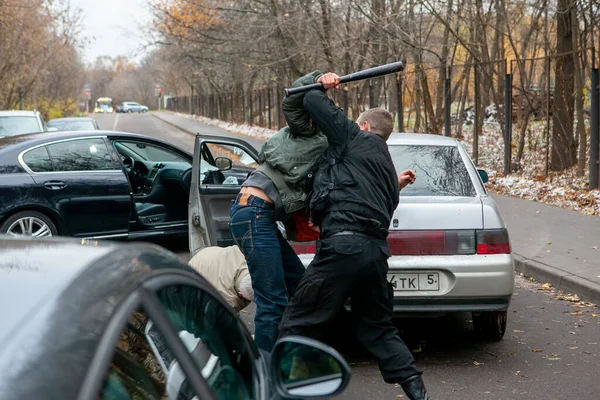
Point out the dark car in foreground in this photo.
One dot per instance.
(73, 124)
(85, 320)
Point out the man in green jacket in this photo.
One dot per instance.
(272, 193)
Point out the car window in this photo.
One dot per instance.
(38, 160)
(148, 152)
(135, 371)
(72, 125)
(214, 337)
(215, 156)
(440, 170)
(81, 155)
(17, 125)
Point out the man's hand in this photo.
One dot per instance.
(406, 177)
(313, 226)
(329, 80)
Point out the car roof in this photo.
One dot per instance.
(31, 139)
(35, 274)
(421, 139)
(32, 272)
(18, 113)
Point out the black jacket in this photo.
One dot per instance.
(356, 186)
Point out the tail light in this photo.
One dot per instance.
(309, 248)
(437, 243)
(432, 243)
(493, 241)
(445, 243)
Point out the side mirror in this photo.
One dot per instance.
(483, 175)
(303, 368)
(223, 163)
(52, 129)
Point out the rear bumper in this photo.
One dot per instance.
(453, 304)
(467, 283)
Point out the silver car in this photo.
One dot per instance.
(450, 247)
(19, 122)
(132, 106)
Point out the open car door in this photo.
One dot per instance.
(221, 165)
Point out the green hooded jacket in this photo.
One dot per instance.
(290, 156)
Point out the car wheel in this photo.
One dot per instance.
(144, 111)
(130, 110)
(490, 325)
(29, 223)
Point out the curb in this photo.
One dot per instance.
(586, 290)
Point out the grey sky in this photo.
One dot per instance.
(112, 27)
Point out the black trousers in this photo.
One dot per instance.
(355, 267)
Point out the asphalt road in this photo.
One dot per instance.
(550, 351)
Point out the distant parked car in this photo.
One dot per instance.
(73, 124)
(14, 123)
(132, 106)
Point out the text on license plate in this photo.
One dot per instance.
(426, 281)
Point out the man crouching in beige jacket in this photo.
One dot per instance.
(225, 268)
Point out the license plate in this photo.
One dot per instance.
(407, 282)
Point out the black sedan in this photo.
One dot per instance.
(84, 320)
(100, 184)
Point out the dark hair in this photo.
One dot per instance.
(381, 122)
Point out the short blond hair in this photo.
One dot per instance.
(380, 121)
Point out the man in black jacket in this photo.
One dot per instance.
(355, 193)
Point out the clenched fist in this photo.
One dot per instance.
(406, 177)
(329, 80)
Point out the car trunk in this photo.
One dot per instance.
(437, 213)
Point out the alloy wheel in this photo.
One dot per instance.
(29, 226)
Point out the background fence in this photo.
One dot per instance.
(465, 101)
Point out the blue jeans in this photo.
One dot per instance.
(274, 267)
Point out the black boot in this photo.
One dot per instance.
(415, 388)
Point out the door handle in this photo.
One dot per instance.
(55, 185)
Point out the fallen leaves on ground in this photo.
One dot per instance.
(546, 286)
(563, 189)
(572, 298)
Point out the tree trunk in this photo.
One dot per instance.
(563, 154)
(578, 96)
(439, 102)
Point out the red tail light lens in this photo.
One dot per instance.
(304, 248)
(493, 241)
(431, 243)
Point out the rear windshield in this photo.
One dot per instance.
(440, 170)
(72, 125)
(17, 125)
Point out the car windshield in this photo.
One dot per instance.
(17, 125)
(72, 125)
(440, 170)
